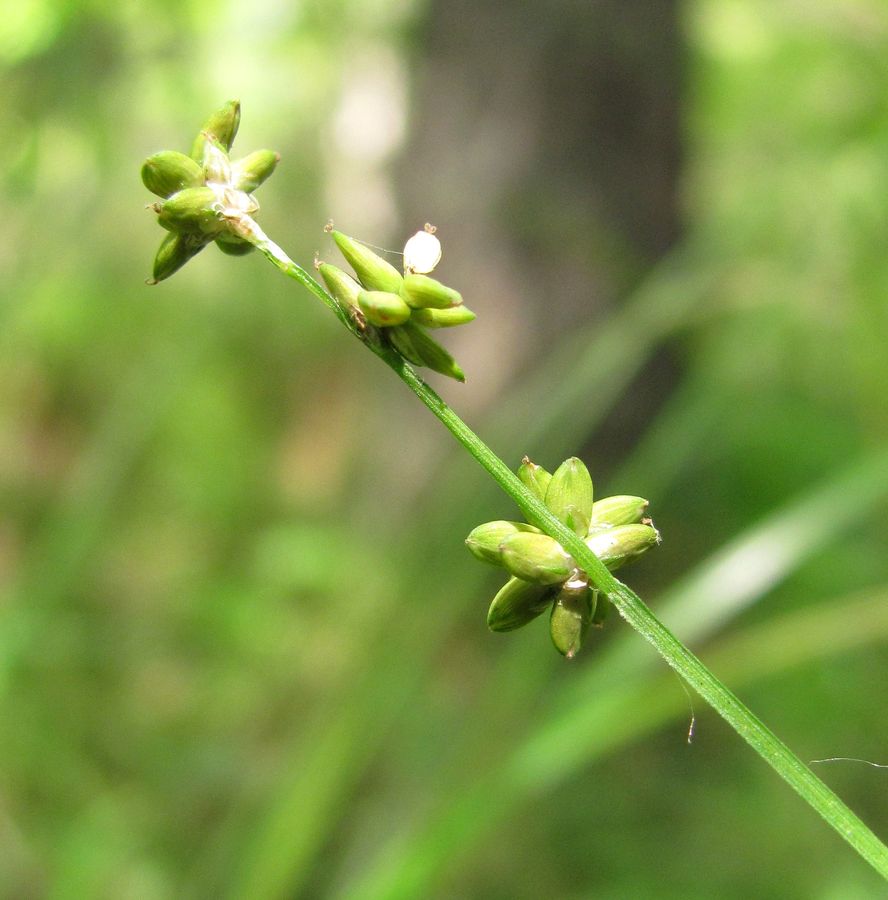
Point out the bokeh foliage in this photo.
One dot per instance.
(243, 649)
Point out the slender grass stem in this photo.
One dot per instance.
(628, 603)
(412, 863)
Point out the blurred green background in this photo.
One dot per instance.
(242, 647)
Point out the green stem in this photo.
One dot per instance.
(629, 604)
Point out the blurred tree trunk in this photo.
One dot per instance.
(545, 145)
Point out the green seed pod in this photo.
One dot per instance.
(222, 125)
(617, 546)
(169, 172)
(535, 557)
(400, 340)
(571, 617)
(248, 173)
(443, 318)
(192, 211)
(430, 352)
(569, 495)
(340, 284)
(484, 541)
(617, 510)
(175, 250)
(602, 608)
(423, 292)
(216, 164)
(372, 270)
(383, 308)
(535, 478)
(233, 245)
(517, 603)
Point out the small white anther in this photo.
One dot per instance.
(422, 252)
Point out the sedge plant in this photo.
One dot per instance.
(562, 557)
